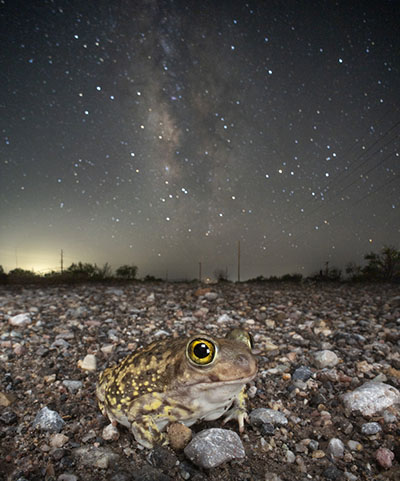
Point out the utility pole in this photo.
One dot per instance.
(199, 271)
(238, 261)
(62, 261)
(16, 257)
(166, 276)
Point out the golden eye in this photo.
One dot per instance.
(201, 351)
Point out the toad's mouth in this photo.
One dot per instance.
(215, 380)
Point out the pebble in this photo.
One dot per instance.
(72, 386)
(290, 456)
(302, 373)
(96, 457)
(6, 399)
(384, 457)
(9, 417)
(333, 473)
(370, 428)
(262, 416)
(48, 420)
(223, 319)
(150, 299)
(318, 454)
(354, 445)
(325, 358)
(58, 440)
(336, 448)
(20, 320)
(110, 433)
(211, 296)
(179, 436)
(371, 398)
(89, 363)
(67, 477)
(213, 447)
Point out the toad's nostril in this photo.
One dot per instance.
(242, 360)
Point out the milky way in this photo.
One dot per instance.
(162, 133)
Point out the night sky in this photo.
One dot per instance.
(161, 133)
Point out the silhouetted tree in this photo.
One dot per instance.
(127, 272)
(384, 266)
(353, 271)
(221, 275)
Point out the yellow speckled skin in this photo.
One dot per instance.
(160, 384)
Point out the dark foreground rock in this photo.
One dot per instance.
(324, 405)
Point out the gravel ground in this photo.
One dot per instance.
(316, 436)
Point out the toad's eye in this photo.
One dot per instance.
(201, 351)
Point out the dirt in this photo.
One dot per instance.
(289, 323)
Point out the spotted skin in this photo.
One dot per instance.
(160, 383)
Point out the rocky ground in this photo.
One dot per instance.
(317, 344)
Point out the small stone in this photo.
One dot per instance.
(9, 417)
(58, 440)
(214, 446)
(302, 373)
(267, 429)
(224, 318)
(371, 397)
(150, 298)
(179, 436)
(370, 428)
(67, 477)
(96, 457)
(89, 363)
(350, 476)
(48, 420)
(389, 417)
(384, 457)
(354, 445)
(110, 433)
(20, 320)
(211, 296)
(72, 386)
(325, 358)
(290, 456)
(107, 348)
(318, 454)
(6, 399)
(332, 472)
(336, 448)
(261, 416)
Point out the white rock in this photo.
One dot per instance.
(224, 318)
(214, 446)
(58, 440)
(336, 448)
(110, 433)
(150, 298)
(20, 320)
(67, 477)
(325, 358)
(72, 386)
(89, 363)
(263, 415)
(48, 420)
(371, 397)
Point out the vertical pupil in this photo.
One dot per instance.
(201, 350)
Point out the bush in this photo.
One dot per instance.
(127, 272)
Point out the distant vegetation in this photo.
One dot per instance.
(380, 267)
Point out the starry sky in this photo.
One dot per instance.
(162, 133)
